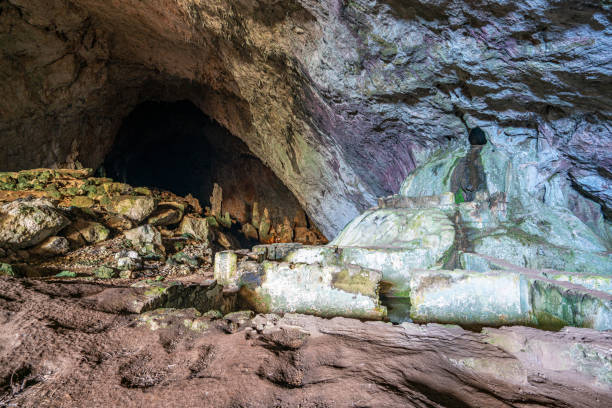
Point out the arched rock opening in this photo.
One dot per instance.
(174, 146)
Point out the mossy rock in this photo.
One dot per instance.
(104, 272)
(66, 274)
(7, 270)
(82, 201)
(143, 191)
(53, 192)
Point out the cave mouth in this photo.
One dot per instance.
(174, 146)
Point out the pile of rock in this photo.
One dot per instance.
(66, 221)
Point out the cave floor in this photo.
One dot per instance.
(59, 350)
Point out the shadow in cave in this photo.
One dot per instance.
(176, 147)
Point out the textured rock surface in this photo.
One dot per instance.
(110, 359)
(24, 223)
(340, 99)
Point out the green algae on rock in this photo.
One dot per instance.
(27, 222)
(136, 208)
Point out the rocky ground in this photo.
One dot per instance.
(108, 298)
(58, 349)
(69, 223)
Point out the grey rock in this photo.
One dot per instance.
(52, 246)
(27, 222)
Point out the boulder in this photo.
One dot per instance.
(196, 227)
(146, 239)
(167, 214)
(27, 222)
(321, 290)
(91, 232)
(136, 208)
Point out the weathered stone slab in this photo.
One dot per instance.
(505, 298)
(325, 291)
(400, 228)
(469, 298)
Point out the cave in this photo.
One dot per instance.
(171, 170)
(174, 146)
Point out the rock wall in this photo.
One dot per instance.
(341, 99)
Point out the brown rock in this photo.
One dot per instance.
(52, 246)
(249, 231)
(216, 200)
(196, 227)
(165, 216)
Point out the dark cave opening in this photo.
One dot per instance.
(174, 146)
(477, 137)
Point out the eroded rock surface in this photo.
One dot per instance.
(57, 342)
(340, 99)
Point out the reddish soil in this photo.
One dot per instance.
(57, 352)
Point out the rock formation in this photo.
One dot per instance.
(458, 154)
(340, 99)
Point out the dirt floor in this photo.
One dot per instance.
(56, 350)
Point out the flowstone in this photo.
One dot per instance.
(523, 261)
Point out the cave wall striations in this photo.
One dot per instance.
(341, 99)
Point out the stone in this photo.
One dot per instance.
(112, 188)
(216, 200)
(225, 240)
(505, 298)
(104, 272)
(312, 255)
(128, 260)
(264, 226)
(27, 222)
(237, 320)
(143, 191)
(395, 240)
(183, 258)
(66, 274)
(286, 231)
(118, 222)
(196, 227)
(226, 220)
(52, 246)
(286, 337)
(276, 252)
(166, 317)
(325, 291)
(146, 239)
(92, 232)
(136, 208)
(255, 217)
(82, 201)
(7, 270)
(225, 269)
(250, 231)
(167, 214)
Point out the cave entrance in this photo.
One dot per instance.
(174, 146)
